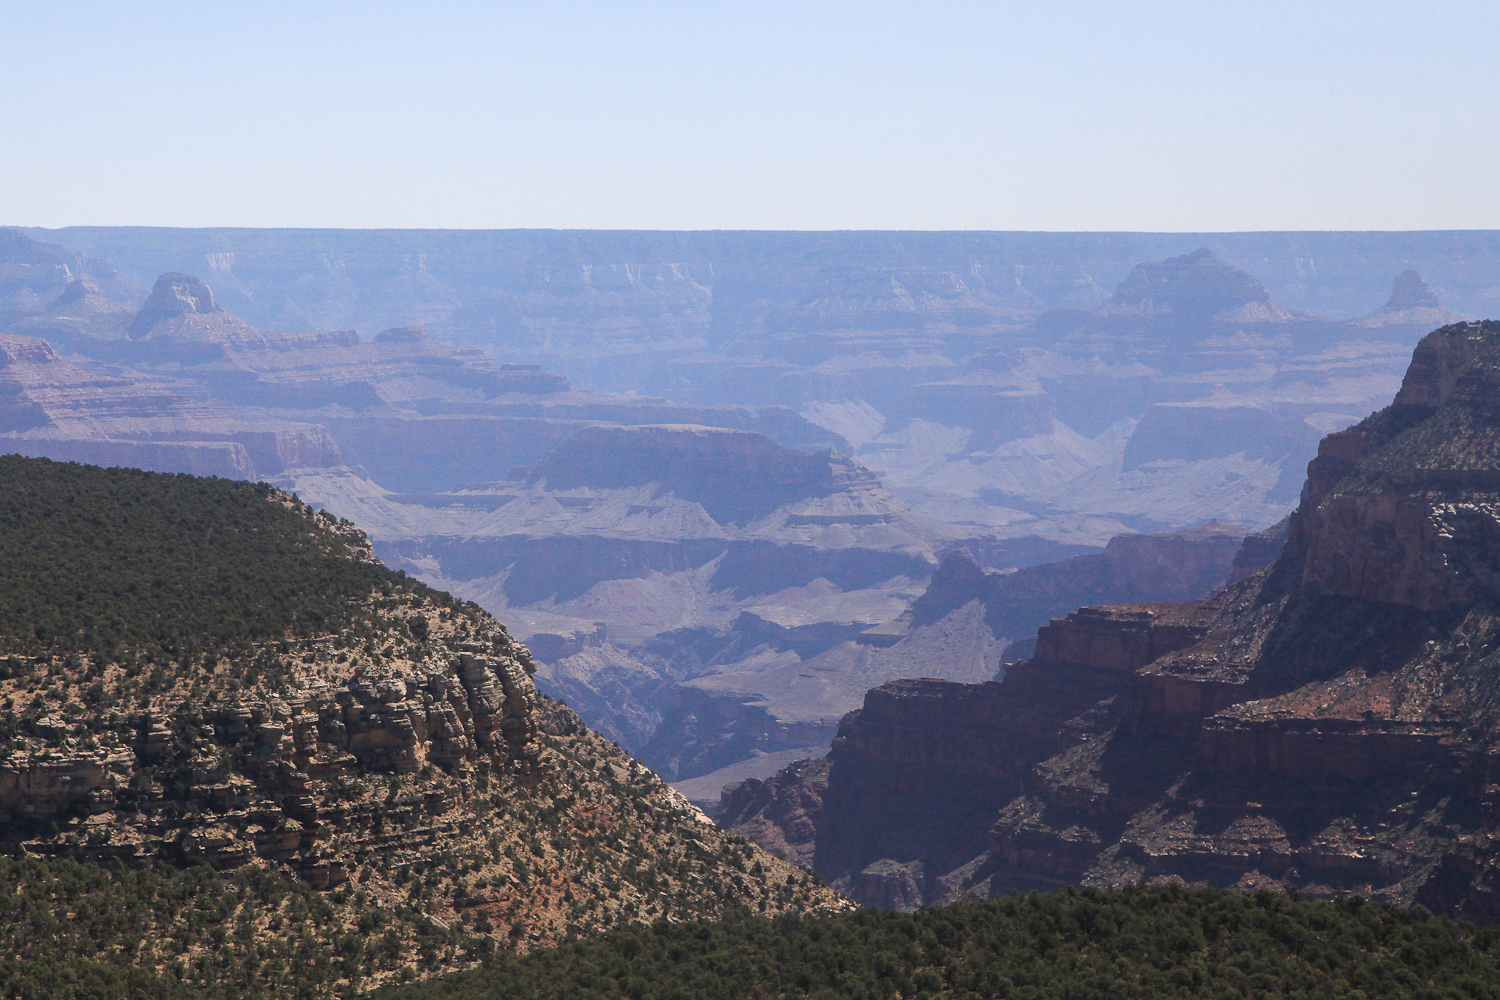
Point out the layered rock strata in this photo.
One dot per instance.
(1167, 566)
(680, 551)
(462, 712)
(987, 386)
(919, 773)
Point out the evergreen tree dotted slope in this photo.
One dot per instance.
(239, 757)
(1132, 944)
(100, 559)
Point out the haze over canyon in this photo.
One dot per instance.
(927, 566)
(718, 547)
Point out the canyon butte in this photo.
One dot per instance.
(1326, 722)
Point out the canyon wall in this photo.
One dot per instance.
(1147, 381)
(1327, 722)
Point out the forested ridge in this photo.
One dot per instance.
(89, 931)
(239, 757)
(100, 560)
(138, 612)
(1064, 945)
(72, 931)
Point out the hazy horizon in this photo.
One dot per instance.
(35, 229)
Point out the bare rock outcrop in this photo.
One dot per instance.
(173, 295)
(279, 763)
(782, 813)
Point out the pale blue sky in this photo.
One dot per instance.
(767, 115)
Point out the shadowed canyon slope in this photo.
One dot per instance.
(1327, 722)
(962, 627)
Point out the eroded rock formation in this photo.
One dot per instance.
(1412, 301)
(983, 375)
(1327, 722)
(966, 623)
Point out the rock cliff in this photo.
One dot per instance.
(1327, 722)
(1167, 566)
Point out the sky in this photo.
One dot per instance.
(1085, 115)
